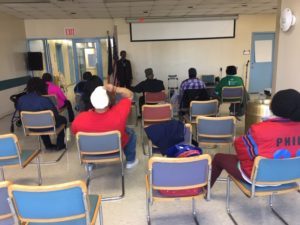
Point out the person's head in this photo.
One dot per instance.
(149, 73)
(101, 99)
(36, 85)
(87, 75)
(286, 104)
(47, 77)
(92, 83)
(192, 73)
(231, 70)
(123, 54)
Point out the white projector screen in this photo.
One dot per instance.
(186, 30)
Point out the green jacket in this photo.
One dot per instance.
(229, 80)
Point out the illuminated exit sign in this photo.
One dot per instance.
(70, 31)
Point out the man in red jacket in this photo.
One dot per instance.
(274, 138)
(108, 117)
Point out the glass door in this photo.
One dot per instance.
(87, 57)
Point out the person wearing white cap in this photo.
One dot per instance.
(107, 117)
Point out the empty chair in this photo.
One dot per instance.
(275, 176)
(67, 203)
(11, 155)
(231, 94)
(215, 130)
(153, 114)
(6, 217)
(97, 148)
(155, 97)
(187, 139)
(42, 123)
(178, 174)
(202, 108)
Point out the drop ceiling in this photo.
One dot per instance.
(87, 9)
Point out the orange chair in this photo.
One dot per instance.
(153, 114)
(155, 97)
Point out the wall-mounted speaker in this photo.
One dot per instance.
(35, 61)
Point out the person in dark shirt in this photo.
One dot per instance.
(34, 101)
(79, 87)
(124, 72)
(148, 85)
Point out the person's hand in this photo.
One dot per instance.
(109, 87)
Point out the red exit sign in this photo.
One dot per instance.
(70, 31)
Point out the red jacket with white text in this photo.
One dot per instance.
(275, 138)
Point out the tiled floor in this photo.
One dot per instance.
(132, 211)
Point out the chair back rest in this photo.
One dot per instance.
(216, 127)
(155, 97)
(193, 95)
(55, 203)
(99, 143)
(179, 173)
(38, 120)
(9, 147)
(53, 99)
(5, 212)
(204, 108)
(268, 171)
(156, 113)
(232, 93)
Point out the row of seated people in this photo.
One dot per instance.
(190, 89)
(107, 116)
(282, 142)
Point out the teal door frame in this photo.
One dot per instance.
(98, 51)
(261, 73)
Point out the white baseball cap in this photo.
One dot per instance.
(99, 98)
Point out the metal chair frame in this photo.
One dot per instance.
(82, 152)
(21, 164)
(253, 191)
(52, 130)
(150, 198)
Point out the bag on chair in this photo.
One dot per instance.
(181, 151)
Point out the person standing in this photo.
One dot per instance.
(123, 71)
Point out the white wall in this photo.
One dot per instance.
(165, 57)
(207, 56)
(12, 57)
(84, 28)
(288, 70)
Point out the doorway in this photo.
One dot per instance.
(87, 57)
(262, 57)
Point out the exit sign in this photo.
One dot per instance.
(70, 31)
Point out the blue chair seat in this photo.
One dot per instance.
(7, 221)
(114, 156)
(94, 203)
(26, 157)
(246, 188)
(215, 140)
